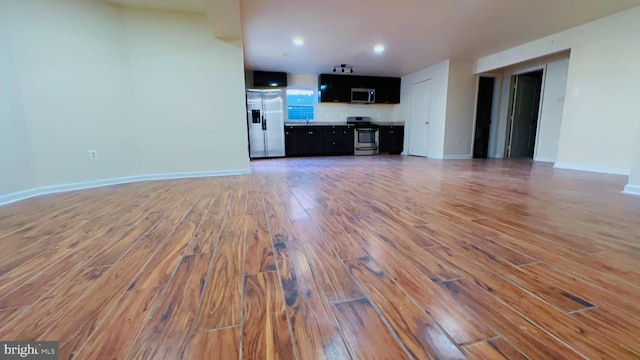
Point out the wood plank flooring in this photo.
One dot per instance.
(381, 257)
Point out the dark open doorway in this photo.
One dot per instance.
(483, 117)
(525, 108)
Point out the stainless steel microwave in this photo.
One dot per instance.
(363, 96)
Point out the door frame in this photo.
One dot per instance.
(512, 88)
(495, 111)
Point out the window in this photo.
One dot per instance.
(301, 103)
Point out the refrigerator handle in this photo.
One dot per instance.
(264, 123)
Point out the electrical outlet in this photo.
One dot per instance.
(93, 155)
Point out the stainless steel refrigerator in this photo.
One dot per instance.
(265, 119)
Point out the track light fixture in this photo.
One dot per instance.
(343, 68)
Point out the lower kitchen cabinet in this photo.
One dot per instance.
(303, 140)
(391, 139)
(310, 141)
(291, 140)
(338, 140)
(318, 140)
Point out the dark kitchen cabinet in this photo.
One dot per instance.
(338, 140)
(310, 141)
(349, 141)
(303, 140)
(334, 88)
(291, 140)
(391, 139)
(363, 82)
(387, 90)
(337, 88)
(318, 140)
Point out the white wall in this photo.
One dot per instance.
(461, 94)
(555, 85)
(439, 74)
(72, 65)
(16, 158)
(600, 121)
(633, 187)
(452, 107)
(188, 89)
(552, 105)
(153, 92)
(339, 112)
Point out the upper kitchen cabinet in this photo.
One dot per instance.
(334, 88)
(387, 90)
(337, 88)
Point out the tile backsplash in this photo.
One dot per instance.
(339, 112)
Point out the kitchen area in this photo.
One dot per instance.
(325, 115)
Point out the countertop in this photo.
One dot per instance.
(331, 123)
(388, 123)
(314, 123)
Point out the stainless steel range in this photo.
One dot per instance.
(365, 135)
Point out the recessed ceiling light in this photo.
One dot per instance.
(298, 41)
(378, 49)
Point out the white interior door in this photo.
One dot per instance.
(525, 111)
(420, 118)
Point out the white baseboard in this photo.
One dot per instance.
(632, 189)
(598, 169)
(17, 196)
(458, 157)
(45, 190)
(544, 159)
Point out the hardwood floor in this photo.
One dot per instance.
(382, 257)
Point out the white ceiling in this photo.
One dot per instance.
(416, 33)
